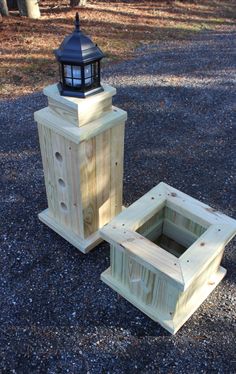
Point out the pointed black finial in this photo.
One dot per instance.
(77, 26)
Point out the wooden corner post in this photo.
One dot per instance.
(82, 147)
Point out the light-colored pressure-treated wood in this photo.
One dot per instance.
(166, 250)
(82, 144)
(79, 112)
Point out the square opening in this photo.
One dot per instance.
(171, 231)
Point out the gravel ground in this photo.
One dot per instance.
(56, 315)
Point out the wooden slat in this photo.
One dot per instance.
(73, 180)
(48, 167)
(144, 251)
(60, 171)
(87, 156)
(103, 180)
(194, 209)
(138, 213)
(203, 251)
(116, 168)
(179, 234)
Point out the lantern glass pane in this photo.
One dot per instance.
(76, 72)
(88, 75)
(68, 75)
(72, 75)
(76, 83)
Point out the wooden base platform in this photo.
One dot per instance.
(172, 324)
(84, 245)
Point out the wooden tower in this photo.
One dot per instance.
(82, 147)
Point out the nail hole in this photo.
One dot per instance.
(175, 264)
(116, 163)
(61, 182)
(219, 229)
(123, 224)
(58, 156)
(153, 198)
(202, 244)
(63, 206)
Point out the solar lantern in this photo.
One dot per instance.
(79, 64)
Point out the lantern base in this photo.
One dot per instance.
(84, 245)
(79, 94)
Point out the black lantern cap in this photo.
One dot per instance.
(78, 48)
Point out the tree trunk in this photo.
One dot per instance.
(29, 8)
(12, 4)
(3, 8)
(74, 2)
(78, 2)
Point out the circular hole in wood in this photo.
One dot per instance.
(63, 206)
(58, 156)
(152, 198)
(61, 182)
(219, 229)
(187, 260)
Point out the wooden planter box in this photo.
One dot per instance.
(166, 250)
(82, 146)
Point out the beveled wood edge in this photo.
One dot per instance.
(107, 278)
(78, 134)
(75, 103)
(84, 245)
(171, 325)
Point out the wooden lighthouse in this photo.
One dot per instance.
(82, 145)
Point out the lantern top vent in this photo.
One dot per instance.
(78, 47)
